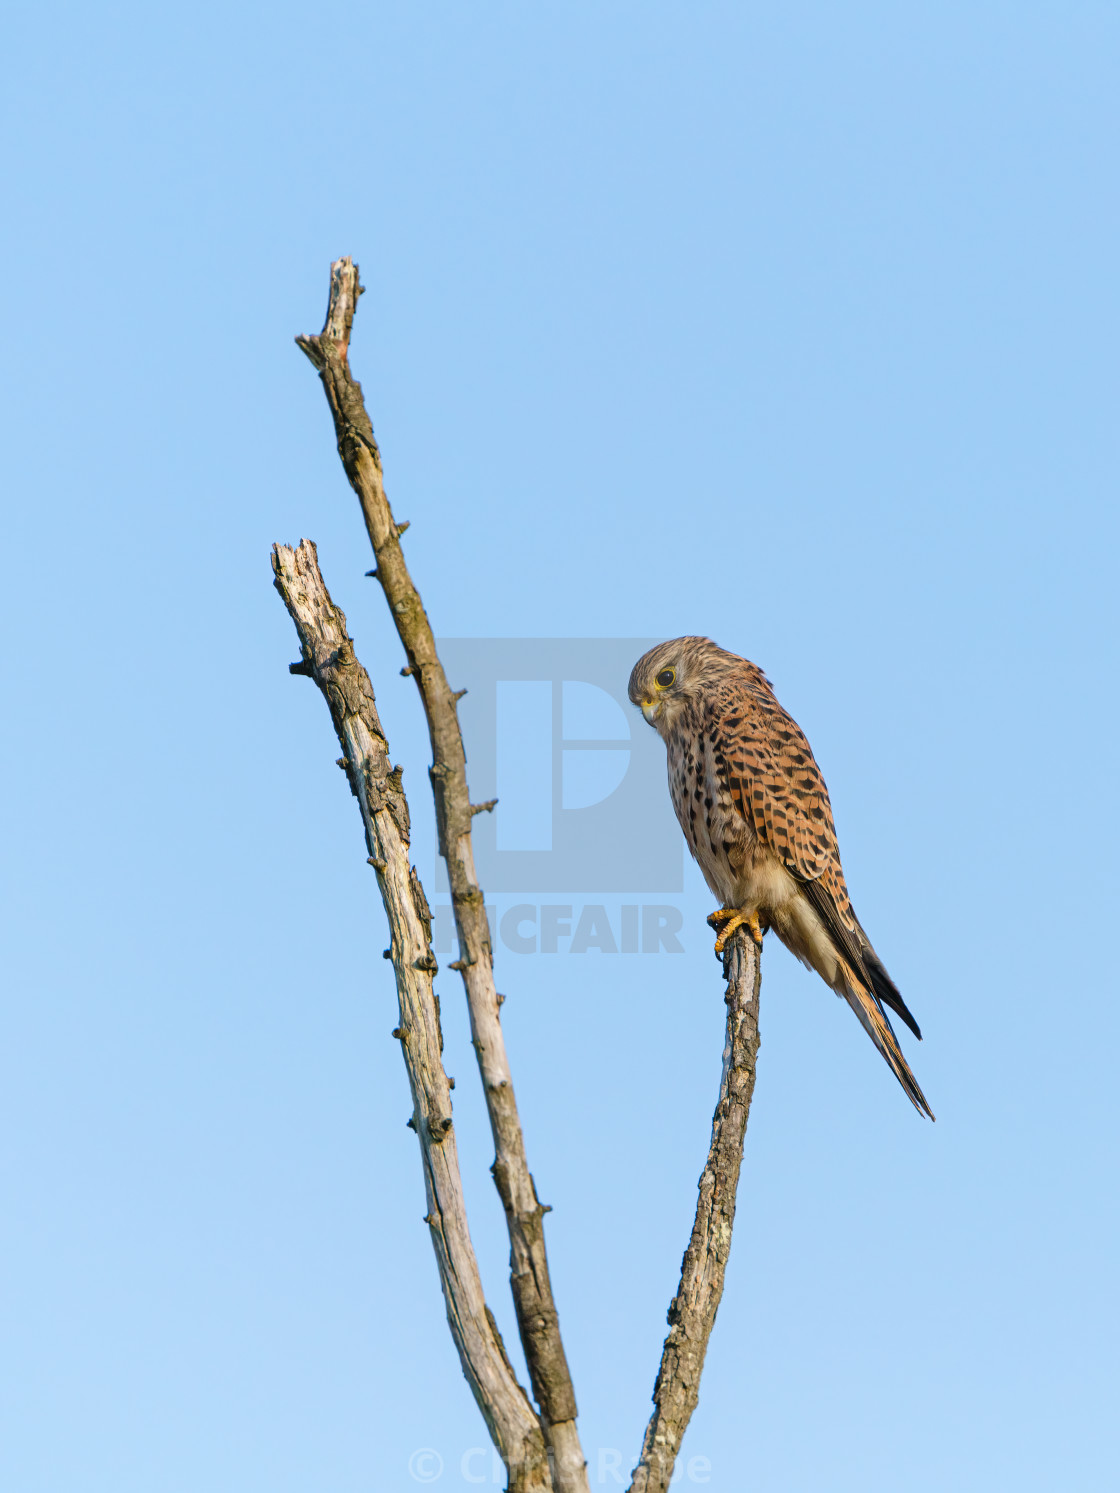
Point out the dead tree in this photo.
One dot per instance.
(540, 1446)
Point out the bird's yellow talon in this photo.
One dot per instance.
(732, 918)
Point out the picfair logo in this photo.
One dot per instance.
(579, 777)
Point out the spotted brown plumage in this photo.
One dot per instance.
(754, 809)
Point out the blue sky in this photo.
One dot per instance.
(795, 326)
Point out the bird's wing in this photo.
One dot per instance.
(776, 784)
(778, 788)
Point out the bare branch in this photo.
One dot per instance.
(328, 658)
(532, 1290)
(692, 1311)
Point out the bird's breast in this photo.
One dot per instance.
(740, 869)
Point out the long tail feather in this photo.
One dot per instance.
(877, 1025)
(885, 988)
(854, 946)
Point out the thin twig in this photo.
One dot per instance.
(532, 1290)
(692, 1311)
(328, 658)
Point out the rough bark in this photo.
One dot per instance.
(692, 1311)
(328, 658)
(532, 1290)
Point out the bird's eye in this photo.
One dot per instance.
(666, 677)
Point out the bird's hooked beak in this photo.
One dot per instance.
(651, 709)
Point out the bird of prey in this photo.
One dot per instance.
(755, 812)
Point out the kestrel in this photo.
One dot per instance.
(755, 812)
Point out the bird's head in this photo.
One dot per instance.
(670, 677)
